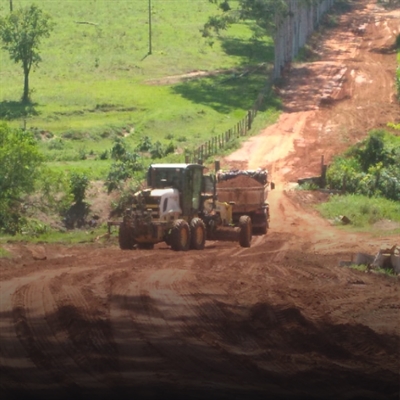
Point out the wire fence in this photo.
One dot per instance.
(216, 144)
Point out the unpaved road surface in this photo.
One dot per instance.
(280, 320)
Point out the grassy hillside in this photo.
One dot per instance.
(97, 79)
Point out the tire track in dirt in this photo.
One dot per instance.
(181, 320)
(13, 354)
(86, 322)
(39, 340)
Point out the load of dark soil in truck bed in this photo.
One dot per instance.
(240, 181)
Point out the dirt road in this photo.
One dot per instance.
(279, 320)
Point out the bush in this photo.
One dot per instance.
(54, 190)
(104, 155)
(56, 144)
(121, 171)
(371, 168)
(170, 148)
(119, 149)
(157, 150)
(20, 161)
(78, 185)
(144, 144)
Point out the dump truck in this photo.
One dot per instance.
(179, 206)
(247, 192)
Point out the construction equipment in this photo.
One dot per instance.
(247, 192)
(179, 206)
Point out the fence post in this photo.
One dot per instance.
(249, 121)
(323, 172)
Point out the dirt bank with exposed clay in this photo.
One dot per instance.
(279, 320)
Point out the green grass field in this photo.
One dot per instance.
(362, 211)
(96, 80)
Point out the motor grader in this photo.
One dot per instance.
(179, 207)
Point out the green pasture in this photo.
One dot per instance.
(362, 211)
(98, 81)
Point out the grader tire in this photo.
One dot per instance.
(125, 239)
(180, 236)
(245, 233)
(197, 234)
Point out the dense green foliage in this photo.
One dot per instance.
(20, 160)
(127, 164)
(266, 14)
(78, 185)
(371, 168)
(21, 33)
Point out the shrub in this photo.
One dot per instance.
(54, 190)
(78, 185)
(122, 170)
(20, 162)
(157, 150)
(56, 144)
(119, 149)
(144, 144)
(371, 168)
(170, 148)
(104, 155)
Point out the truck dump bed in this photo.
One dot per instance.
(247, 189)
(247, 193)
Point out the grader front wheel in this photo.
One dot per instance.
(125, 237)
(180, 235)
(245, 233)
(197, 234)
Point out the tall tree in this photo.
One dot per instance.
(21, 33)
(288, 22)
(266, 13)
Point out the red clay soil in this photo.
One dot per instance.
(279, 320)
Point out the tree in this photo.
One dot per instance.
(21, 33)
(266, 13)
(288, 22)
(20, 161)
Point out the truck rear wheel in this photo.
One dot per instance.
(180, 235)
(197, 234)
(125, 237)
(245, 233)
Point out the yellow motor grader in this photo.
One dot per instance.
(179, 207)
